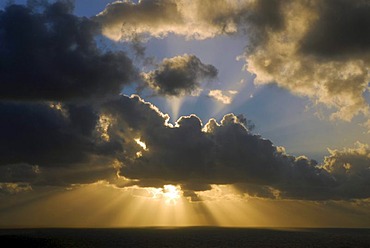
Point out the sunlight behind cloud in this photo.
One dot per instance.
(141, 144)
(171, 193)
(243, 99)
(175, 103)
(110, 206)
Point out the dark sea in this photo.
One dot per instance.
(185, 237)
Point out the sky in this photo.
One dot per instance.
(184, 113)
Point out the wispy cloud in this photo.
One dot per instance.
(224, 97)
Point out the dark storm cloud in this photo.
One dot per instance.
(18, 173)
(52, 77)
(42, 135)
(52, 144)
(343, 29)
(52, 55)
(179, 75)
(196, 156)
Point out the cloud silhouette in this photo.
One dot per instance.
(179, 75)
(197, 156)
(52, 55)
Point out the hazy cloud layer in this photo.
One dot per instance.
(195, 19)
(179, 75)
(14, 188)
(18, 173)
(52, 55)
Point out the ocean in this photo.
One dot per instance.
(188, 237)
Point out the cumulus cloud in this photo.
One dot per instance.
(224, 97)
(316, 49)
(321, 51)
(52, 55)
(221, 153)
(126, 134)
(351, 169)
(179, 75)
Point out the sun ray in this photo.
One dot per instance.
(175, 104)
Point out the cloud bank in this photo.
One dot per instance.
(63, 120)
(224, 153)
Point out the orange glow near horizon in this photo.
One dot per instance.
(103, 205)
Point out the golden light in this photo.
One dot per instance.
(146, 207)
(142, 144)
(171, 193)
(175, 104)
(103, 125)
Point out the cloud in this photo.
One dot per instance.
(316, 49)
(193, 19)
(47, 145)
(52, 55)
(53, 77)
(179, 75)
(16, 173)
(127, 19)
(342, 30)
(37, 137)
(14, 188)
(197, 156)
(224, 97)
(322, 53)
(351, 169)
(63, 121)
